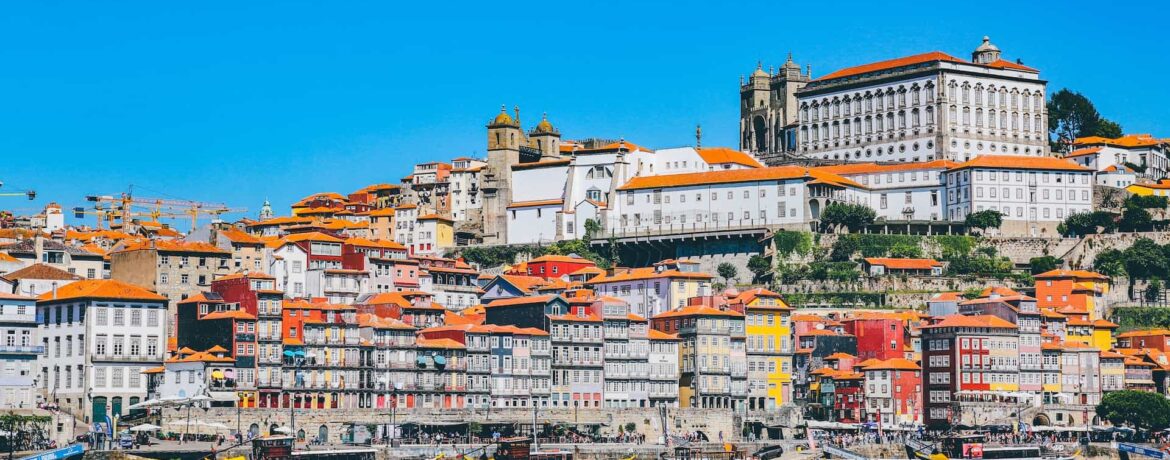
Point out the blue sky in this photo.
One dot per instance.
(237, 101)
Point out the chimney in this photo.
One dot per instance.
(214, 236)
(38, 247)
(54, 290)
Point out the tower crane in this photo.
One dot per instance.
(120, 208)
(31, 194)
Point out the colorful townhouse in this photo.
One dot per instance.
(769, 347)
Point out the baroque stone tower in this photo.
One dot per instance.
(545, 138)
(503, 151)
(768, 108)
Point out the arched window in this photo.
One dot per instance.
(930, 92)
(979, 118)
(991, 96)
(901, 97)
(1015, 121)
(930, 116)
(890, 99)
(880, 124)
(902, 119)
(966, 116)
(868, 103)
(916, 95)
(868, 125)
(836, 108)
(991, 118)
(978, 94)
(1003, 124)
(804, 113)
(1037, 125)
(1027, 120)
(966, 94)
(954, 115)
(857, 103)
(890, 121)
(914, 118)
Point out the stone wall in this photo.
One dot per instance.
(710, 421)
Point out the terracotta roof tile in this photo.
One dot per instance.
(735, 176)
(903, 264)
(1020, 162)
(101, 289)
(718, 155)
(41, 272)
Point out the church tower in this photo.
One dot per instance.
(266, 210)
(546, 139)
(503, 151)
(768, 111)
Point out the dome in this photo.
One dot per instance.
(503, 118)
(789, 64)
(544, 126)
(760, 71)
(986, 45)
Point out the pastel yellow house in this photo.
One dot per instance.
(1162, 188)
(769, 347)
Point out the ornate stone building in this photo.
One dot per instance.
(930, 106)
(768, 109)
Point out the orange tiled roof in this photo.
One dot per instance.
(947, 297)
(897, 364)
(848, 169)
(923, 58)
(987, 321)
(525, 283)
(173, 246)
(1020, 162)
(903, 264)
(1071, 274)
(588, 318)
(154, 370)
(645, 273)
(1145, 333)
(840, 355)
(230, 314)
(101, 289)
(737, 175)
(718, 155)
(521, 301)
(1082, 152)
(1128, 140)
(312, 236)
(438, 343)
(40, 271)
(560, 258)
(654, 334)
(239, 237)
(697, 310)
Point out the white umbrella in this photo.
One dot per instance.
(200, 398)
(146, 427)
(216, 425)
(283, 429)
(144, 404)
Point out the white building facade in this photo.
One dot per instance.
(930, 106)
(19, 352)
(1033, 194)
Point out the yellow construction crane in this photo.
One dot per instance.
(121, 208)
(31, 194)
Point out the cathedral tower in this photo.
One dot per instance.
(545, 138)
(503, 151)
(768, 111)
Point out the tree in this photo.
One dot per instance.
(1072, 115)
(844, 248)
(1042, 264)
(727, 272)
(1088, 223)
(592, 228)
(984, 220)
(1135, 219)
(1109, 129)
(1144, 260)
(759, 266)
(853, 217)
(1140, 409)
(1153, 291)
(1110, 262)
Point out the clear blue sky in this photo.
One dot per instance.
(238, 101)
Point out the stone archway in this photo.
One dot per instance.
(1041, 419)
(761, 134)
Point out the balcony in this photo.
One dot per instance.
(104, 357)
(26, 349)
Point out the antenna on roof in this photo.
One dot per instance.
(698, 136)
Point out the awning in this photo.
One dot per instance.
(440, 361)
(289, 353)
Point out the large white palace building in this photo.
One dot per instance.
(930, 106)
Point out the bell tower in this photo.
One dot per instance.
(503, 151)
(545, 138)
(768, 111)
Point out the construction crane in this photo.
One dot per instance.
(31, 194)
(121, 208)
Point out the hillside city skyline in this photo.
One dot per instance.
(701, 90)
